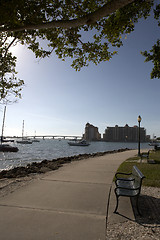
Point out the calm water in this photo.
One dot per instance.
(51, 149)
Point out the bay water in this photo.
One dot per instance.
(49, 149)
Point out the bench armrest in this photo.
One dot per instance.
(120, 173)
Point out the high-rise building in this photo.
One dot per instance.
(124, 134)
(91, 133)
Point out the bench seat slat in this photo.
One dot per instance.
(125, 184)
(127, 192)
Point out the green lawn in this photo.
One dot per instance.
(150, 171)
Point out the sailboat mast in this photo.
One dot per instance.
(22, 129)
(3, 123)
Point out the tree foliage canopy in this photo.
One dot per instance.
(63, 23)
(10, 86)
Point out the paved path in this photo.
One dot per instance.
(67, 204)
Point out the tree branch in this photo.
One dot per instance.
(109, 8)
(9, 46)
(2, 43)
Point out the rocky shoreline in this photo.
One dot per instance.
(49, 165)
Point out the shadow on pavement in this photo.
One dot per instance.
(150, 211)
(149, 208)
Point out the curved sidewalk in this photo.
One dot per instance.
(67, 204)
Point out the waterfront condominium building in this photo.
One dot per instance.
(124, 134)
(91, 133)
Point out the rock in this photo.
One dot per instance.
(44, 170)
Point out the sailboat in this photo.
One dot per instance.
(35, 140)
(24, 140)
(6, 147)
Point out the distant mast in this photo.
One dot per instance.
(3, 123)
(22, 129)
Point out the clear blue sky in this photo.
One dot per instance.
(59, 100)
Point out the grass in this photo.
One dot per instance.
(150, 171)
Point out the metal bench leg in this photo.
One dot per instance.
(138, 206)
(115, 211)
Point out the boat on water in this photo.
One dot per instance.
(35, 140)
(79, 143)
(24, 140)
(6, 140)
(6, 147)
(154, 143)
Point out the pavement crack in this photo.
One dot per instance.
(78, 182)
(59, 211)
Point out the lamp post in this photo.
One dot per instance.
(139, 138)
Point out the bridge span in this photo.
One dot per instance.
(47, 137)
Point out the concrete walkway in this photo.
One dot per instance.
(67, 204)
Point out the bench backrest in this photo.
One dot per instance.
(138, 177)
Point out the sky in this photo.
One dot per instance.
(57, 100)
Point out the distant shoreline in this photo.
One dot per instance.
(50, 165)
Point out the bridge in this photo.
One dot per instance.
(47, 136)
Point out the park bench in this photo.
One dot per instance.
(129, 185)
(145, 155)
